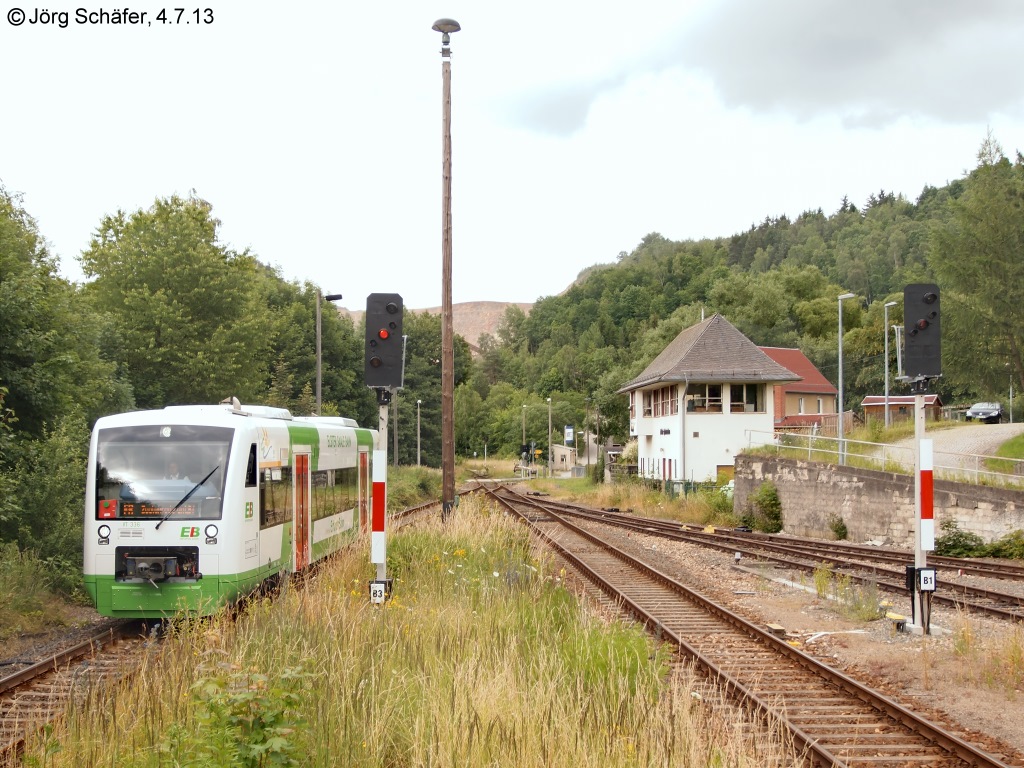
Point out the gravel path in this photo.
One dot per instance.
(981, 439)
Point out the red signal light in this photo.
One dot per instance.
(383, 333)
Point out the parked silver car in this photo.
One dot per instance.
(990, 413)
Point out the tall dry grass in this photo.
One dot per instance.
(482, 657)
(701, 507)
(989, 661)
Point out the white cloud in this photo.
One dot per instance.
(315, 129)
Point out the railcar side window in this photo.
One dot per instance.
(334, 491)
(251, 468)
(276, 496)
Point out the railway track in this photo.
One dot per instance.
(833, 719)
(883, 568)
(40, 693)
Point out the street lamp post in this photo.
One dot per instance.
(551, 464)
(1011, 391)
(586, 434)
(839, 428)
(446, 27)
(418, 404)
(319, 355)
(898, 330)
(885, 329)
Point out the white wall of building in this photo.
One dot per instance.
(691, 446)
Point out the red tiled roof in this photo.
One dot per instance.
(811, 380)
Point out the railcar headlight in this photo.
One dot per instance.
(103, 531)
(211, 531)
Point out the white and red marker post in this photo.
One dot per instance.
(380, 587)
(924, 539)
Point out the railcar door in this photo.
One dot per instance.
(364, 489)
(301, 522)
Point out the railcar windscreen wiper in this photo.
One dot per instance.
(186, 497)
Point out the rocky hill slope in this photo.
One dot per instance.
(470, 319)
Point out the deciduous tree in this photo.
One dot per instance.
(977, 258)
(185, 307)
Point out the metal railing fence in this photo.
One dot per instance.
(960, 467)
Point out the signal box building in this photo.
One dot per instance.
(693, 408)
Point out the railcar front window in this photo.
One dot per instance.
(157, 472)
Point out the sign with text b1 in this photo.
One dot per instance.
(569, 431)
(926, 579)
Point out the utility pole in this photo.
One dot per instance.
(446, 27)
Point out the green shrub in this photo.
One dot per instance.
(838, 526)
(1010, 546)
(24, 591)
(764, 509)
(956, 543)
(719, 503)
(48, 473)
(876, 430)
(246, 719)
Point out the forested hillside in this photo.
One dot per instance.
(779, 283)
(169, 315)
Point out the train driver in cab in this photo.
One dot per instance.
(174, 472)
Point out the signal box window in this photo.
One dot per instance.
(704, 398)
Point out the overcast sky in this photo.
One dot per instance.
(314, 128)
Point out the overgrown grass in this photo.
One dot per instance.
(482, 657)
(26, 595)
(996, 663)
(860, 602)
(409, 486)
(1011, 449)
(494, 466)
(701, 507)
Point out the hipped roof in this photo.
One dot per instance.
(811, 379)
(712, 351)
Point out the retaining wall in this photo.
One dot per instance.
(874, 505)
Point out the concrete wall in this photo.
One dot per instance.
(874, 505)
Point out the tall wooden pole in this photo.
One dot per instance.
(446, 26)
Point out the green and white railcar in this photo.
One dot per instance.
(189, 508)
